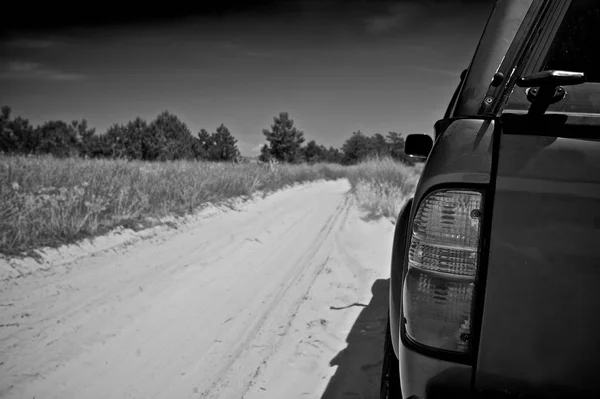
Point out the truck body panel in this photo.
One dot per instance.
(539, 332)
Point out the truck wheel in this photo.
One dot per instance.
(390, 372)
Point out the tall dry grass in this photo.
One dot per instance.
(382, 185)
(48, 202)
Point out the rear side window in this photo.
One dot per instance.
(576, 46)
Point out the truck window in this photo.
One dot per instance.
(577, 42)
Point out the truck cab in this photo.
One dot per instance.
(495, 272)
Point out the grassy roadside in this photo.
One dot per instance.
(49, 202)
(381, 186)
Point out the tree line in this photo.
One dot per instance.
(168, 138)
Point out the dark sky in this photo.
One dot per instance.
(336, 66)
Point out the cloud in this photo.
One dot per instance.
(258, 147)
(14, 70)
(397, 16)
(21, 67)
(31, 43)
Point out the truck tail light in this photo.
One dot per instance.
(443, 259)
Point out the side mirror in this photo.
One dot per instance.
(418, 145)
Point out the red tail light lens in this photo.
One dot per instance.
(442, 264)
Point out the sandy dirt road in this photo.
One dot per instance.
(285, 299)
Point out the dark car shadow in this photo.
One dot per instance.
(359, 364)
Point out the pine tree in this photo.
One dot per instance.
(202, 144)
(312, 152)
(224, 146)
(357, 148)
(265, 153)
(16, 135)
(167, 138)
(284, 139)
(57, 138)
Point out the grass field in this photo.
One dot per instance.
(49, 202)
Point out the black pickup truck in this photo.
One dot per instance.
(495, 275)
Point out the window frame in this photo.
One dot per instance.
(582, 102)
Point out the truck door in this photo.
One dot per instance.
(540, 318)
